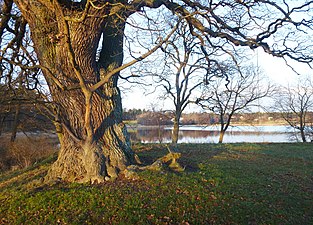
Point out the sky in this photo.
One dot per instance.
(277, 70)
(273, 67)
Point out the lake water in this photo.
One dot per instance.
(210, 134)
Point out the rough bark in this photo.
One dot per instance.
(157, 165)
(175, 132)
(94, 141)
(2, 118)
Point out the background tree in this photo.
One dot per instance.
(20, 78)
(67, 35)
(185, 68)
(295, 104)
(22, 110)
(233, 92)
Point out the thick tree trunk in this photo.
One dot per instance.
(2, 118)
(15, 122)
(302, 127)
(175, 132)
(107, 154)
(302, 134)
(94, 141)
(221, 136)
(224, 127)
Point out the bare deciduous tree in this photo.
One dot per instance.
(234, 92)
(295, 104)
(84, 85)
(186, 66)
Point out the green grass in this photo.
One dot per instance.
(222, 184)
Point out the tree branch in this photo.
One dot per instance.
(111, 73)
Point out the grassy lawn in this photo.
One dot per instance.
(222, 184)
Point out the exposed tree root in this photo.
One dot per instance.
(169, 161)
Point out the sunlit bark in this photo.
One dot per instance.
(94, 141)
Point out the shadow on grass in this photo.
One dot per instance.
(223, 184)
(27, 175)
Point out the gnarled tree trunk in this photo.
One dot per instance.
(175, 132)
(94, 141)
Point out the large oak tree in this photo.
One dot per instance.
(84, 85)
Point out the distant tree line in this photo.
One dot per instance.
(131, 114)
(154, 118)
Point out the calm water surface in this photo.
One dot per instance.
(210, 134)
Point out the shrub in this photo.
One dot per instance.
(25, 151)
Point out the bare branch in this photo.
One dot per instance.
(111, 73)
